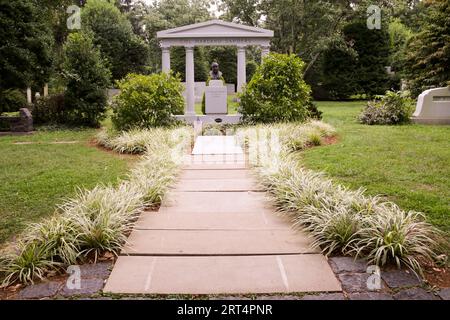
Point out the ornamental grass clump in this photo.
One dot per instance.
(340, 220)
(30, 262)
(334, 228)
(102, 216)
(140, 141)
(58, 236)
(396, 236)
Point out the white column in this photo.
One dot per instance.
(190, 82)
(166, 59)
(241, 69)
(29, 98)
(265, 50)
(46, 90)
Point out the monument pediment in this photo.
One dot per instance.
(215, 29)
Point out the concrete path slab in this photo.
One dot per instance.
(215, 166)
(222, 275)
(220, 158)
(217, 145)
(208, 221)
(216, 242)
(215, 174)
(214, 202)
(216, 185)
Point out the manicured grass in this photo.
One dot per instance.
(36, 177)
(232, 105)
(408, 164)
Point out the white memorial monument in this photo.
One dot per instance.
(433, 107)
(216, 98)
(212, 33)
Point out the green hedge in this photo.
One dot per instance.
(147, 101)
(277, 91)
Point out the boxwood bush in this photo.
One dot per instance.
(277, 91)
(392, 108)
(147, 101)
(49, 110)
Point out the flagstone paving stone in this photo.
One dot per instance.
(415, 294)
(400, 278)
(356, 282)
(219, 275)
(41, 290)
(217, 242)
(87, 287)
(444, 293)
(208, 221)
(217, 185)
(347, 264)
(370, 296)
(215, 166)
(214, 202)
(215, 174)
(217, 159)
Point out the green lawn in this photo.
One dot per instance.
(232, 105)
(408, 164)
(36, 177)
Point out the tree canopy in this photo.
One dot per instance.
(114, 35)
(25, 45)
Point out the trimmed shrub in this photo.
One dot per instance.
(147, 101)
(392, 108)
(277, 91)
(49, 110)
(12, 100)
(87, 79)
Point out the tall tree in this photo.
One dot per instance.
(87, 78)
(304, 27)
(113, 33)
(244, 11)
(372, 47)
(25, 45)
(427, 61)
(168, 14)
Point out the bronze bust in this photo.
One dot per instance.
(215, 73)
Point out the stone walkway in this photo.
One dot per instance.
(215, 233)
